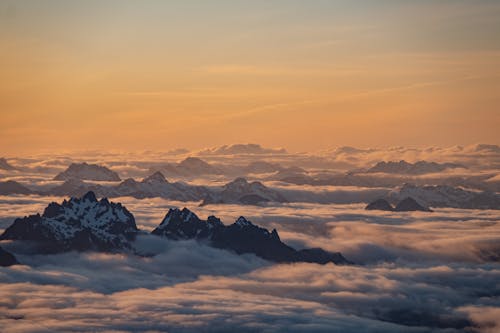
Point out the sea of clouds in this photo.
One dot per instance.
(414, 272)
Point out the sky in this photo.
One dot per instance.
(304, 75)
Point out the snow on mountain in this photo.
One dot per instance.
(84, 171)
(156, 185)
(78, 224)
(240, 191)
(240, 237)
(418, 168)
(446, 196)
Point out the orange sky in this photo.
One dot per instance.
(306, 76)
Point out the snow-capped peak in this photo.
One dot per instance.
(80, 223)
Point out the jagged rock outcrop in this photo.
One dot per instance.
(240, 237)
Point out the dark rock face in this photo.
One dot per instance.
(183, 224)
(78, 224)
(84, 171)
(410, 205)
(240, 237)
(7, 258)
(12, 187)
(379, 204)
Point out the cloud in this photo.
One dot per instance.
(416, 272)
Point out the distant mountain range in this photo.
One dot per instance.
(86, 223)
(418, 168)
(84, 171)
(196, 167)
(446, 196)
(406, 205)
(240, 191)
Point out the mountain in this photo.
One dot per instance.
(152, 186)
(380, 204)
(418, 168)
(76, 188)
(410, 205)
(406, 205)
(156, 185)
(184, 224)
(447, 196)
(189, 167)
(240, 237)
(84, 171)
(78, 224)
(7, 258)
(4, 165)
(196, 166)
(240, 191)
(86, 223)
(242, 149)
(261, 167)
(13, 187)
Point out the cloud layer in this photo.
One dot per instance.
(416, 272)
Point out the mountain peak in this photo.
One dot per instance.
(243, 222)
(85, 171)
(409, 204)
(156, 177)
(89, 196)
(78, 224)
(177, 216)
